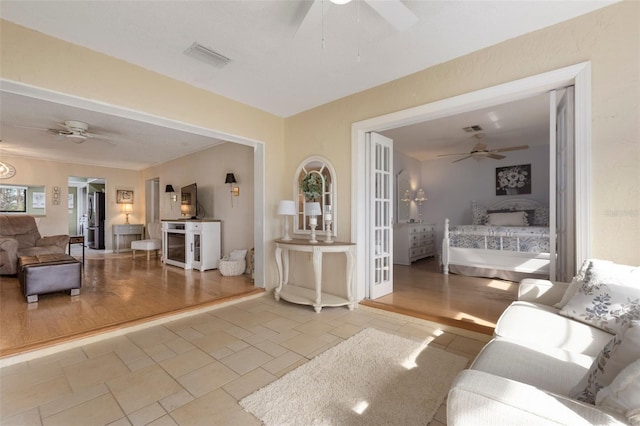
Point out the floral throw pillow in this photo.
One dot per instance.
(623, 394)
(606, 306)
(479, 214)
(622, 350)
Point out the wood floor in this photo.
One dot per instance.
(421, 290)
(118, 291)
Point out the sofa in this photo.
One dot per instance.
(19, 236)
(563, 353)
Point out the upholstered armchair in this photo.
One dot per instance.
(19, 236)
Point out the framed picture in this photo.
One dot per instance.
(124, 197)
(513, 180)
(38, 200)
(70, 202)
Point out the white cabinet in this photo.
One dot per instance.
(413, 241)
(191, 244)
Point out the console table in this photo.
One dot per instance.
(126, 229)
(314, 297)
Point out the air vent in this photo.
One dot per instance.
(207, 55)
(471, 129)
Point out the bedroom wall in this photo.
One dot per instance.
(450, 187)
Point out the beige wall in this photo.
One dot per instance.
(54, 173)
(609, 38)
(208, 170)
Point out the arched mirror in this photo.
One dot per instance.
(315, 182)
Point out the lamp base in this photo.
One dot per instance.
(313, 234)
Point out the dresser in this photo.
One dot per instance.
(413, 241)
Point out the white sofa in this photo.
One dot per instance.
(536, 360)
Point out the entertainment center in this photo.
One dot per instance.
(191, 243)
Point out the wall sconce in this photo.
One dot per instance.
(169, 189)
(420, 198)
(406, 198)
(235, 189)
(127, 209)
(286, 208)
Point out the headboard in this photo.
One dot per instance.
(516, 204)
(541, 216)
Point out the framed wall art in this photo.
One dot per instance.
(124, 196)
(513, 180)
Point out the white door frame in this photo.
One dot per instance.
(259, 203)
(578, 75)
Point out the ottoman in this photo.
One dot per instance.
(48, 273)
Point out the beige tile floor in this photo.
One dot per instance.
(194, 370)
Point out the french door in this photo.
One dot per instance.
(380, 215)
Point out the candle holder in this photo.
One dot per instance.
(328, 218)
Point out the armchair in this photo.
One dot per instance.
(19, 236)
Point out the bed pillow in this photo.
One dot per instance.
(621, 351)
(541, 216)
(608, 307)
(478, 214)
(530, 213)
(623, 394)
(507, 219)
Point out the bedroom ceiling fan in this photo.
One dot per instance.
(392, 11)
(75, 131)
(480, 151)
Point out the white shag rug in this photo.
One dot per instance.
(373, 378)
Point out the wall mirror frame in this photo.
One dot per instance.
(323, 180)
(403, 197)
(23, 199)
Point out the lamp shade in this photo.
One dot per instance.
(313, 209)
(169, 188)
(420, 196)
(231, 178)
(287, 208)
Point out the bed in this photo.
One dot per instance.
(507, 240)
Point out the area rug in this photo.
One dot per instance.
(373, 378)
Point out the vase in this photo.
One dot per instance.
(511, 191)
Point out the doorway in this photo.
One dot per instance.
(577, 75)
(87, 210)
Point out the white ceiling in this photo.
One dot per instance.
(273, 66)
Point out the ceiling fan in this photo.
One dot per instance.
(75, 131)
(480, 151)
(392, 11)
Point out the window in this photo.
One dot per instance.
(13, 199)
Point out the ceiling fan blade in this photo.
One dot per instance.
(395, 13)
(102, 139)
(303, 14)
(460, 159)
(29, 127)
(511, 148)
(448, 155)
(495, 156)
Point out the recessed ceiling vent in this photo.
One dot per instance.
(207, 55)
(471, 129)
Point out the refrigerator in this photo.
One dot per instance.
(96, 210)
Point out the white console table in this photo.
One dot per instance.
(314, 297)
(126, 229)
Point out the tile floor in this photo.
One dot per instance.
(194, 370)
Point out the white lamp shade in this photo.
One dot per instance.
(287, 208)
(313, 209)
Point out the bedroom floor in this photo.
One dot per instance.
(421, 290)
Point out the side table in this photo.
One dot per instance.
(77, 239)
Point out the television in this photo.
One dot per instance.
(189, 201)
